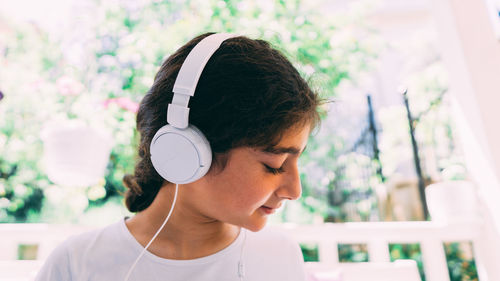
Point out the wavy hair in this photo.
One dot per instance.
(248, 94)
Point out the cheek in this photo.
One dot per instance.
(247, 188)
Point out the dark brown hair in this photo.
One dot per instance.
(248, 94)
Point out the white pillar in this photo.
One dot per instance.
(471, 52)
(378, 251)
(328, 252)
(434, 259)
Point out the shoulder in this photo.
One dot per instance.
(276, 254)
(80, 243)
(67, 258)
(273, 237)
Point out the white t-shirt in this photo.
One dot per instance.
(107, 254)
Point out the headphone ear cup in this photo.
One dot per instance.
(180, 156)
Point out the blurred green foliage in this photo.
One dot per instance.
(408, 251)
(310, 252)
(461, 263)
(353, 253)
(100, 65)
(21, 178)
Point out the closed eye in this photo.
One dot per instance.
(274, 171)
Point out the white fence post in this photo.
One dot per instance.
(434, 260)
(378, 251)
(328, 252)
(9, 248)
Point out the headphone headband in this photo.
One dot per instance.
(189, 74)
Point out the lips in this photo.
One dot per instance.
(270, 207)
(269, 210)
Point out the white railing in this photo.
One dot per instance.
(376, 235)
(45, 237)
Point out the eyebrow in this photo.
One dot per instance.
(282, 150)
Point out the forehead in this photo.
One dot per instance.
(293, 141)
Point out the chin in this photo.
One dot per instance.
(256, 226)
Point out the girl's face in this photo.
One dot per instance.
(253, 184)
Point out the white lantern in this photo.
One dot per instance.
(453, 201)
(75, 154)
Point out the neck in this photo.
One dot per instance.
(188, 234)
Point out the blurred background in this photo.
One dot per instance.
(73, 72)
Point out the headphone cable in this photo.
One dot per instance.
(241, 264)
(157, 232)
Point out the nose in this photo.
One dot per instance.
(291, 188)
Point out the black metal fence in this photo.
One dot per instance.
(352, 195)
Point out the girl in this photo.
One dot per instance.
(256, 113)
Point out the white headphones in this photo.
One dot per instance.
(180, 152)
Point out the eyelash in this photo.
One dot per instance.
(274, 171)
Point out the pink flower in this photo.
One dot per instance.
(68, 86)
(124, 103)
